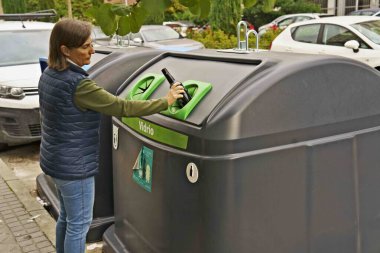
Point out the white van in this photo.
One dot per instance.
(22, 44)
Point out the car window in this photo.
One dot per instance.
(367, 13)
(176, 27)
(31, 45)
(279, 19)
(370, 29)
(161, 33)
(302, 18)
(355, 13)
(284, 23)
(306, 33)
(335, 35)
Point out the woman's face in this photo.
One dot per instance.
(81, 55)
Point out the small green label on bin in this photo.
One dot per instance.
(143, 169)
(156, 132)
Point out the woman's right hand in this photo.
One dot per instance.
(174, 93)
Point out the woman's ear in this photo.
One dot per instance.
(65, 51)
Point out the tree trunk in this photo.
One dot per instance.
(69, 9)
(1, 7)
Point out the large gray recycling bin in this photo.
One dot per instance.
(280, 156)
(109, 73)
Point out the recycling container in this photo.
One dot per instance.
(274, 153)
(109, 73)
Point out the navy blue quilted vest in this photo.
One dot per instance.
(70, 136)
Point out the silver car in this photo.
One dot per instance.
(161, 37)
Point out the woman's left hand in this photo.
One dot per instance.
(175, 92)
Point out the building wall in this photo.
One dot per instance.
(343, 7)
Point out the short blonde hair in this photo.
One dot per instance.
(70, 33)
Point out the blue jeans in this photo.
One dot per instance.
(76, 198)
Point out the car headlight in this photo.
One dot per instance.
(11, 92)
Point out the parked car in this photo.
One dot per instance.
(161, 37)
(181, 27)
(366, 12)
(24, 49)
(22, 43)
(99, 37)
(355, 37)
(283, 21)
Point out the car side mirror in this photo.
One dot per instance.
(352, 44)
(138, 40)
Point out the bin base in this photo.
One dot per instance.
(111, 243)
(47, 192)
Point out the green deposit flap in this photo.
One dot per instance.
(197, 91)
(144, 87)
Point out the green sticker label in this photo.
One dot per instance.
(143, 169)
(156, 132)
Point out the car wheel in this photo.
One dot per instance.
(377, 68)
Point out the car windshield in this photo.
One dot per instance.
(31, 45)
(157, 34)
(370, 29)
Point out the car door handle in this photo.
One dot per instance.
(322, 52)
(288, 49)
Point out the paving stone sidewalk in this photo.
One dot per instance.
(19, 232)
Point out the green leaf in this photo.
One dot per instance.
(249, 3)
(137, 18)
(91, 12)
(121, 9)
(105, 18)
(124, 26)
(154, 6)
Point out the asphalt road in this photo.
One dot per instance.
(23, 160)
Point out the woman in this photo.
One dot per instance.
(70, 105)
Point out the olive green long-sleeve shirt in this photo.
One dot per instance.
(90, 96)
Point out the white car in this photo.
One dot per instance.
(366, 12)
(355, 37)
(22, 44)
(283, 21)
